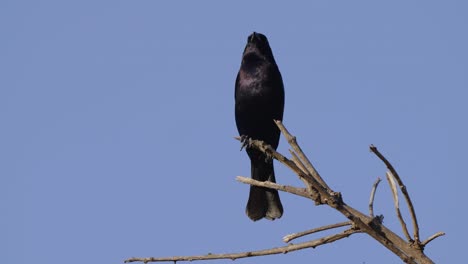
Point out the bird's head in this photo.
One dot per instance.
(257, 48)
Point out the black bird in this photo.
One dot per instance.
(259, 98)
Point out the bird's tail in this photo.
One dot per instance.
(263, 202)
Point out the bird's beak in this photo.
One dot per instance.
(253, 36)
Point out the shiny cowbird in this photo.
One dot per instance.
(259, 99)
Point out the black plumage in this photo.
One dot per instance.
(259, 99)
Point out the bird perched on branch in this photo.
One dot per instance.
(259, 99)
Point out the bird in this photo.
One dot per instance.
(259, 99)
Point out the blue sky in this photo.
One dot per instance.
(117, 124)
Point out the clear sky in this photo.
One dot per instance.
(117, 124)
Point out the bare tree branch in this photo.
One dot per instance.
(285, 188)
(372, 195)
(393, 187)
(299, 163)
(272, 251)
(434, 236)
(317, 190)
(291, 237)
(403, 190)
(372, 226)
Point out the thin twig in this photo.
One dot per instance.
(299, 164)
(372, 195)
(291, 237)
(403, 190)
(271, 185)
(293, 142)
(297, 161)
(434, 236)
(272, 251)
(393, 187)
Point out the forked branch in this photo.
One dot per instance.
(317, 190)
(403, 190)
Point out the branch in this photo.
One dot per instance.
(291, 237)
(272, 251)
(434, 236)
(372, 226)
(318, 191)
(285, 188)
(403, 190)
(393, 187)
(301, 166)
(371, 199)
